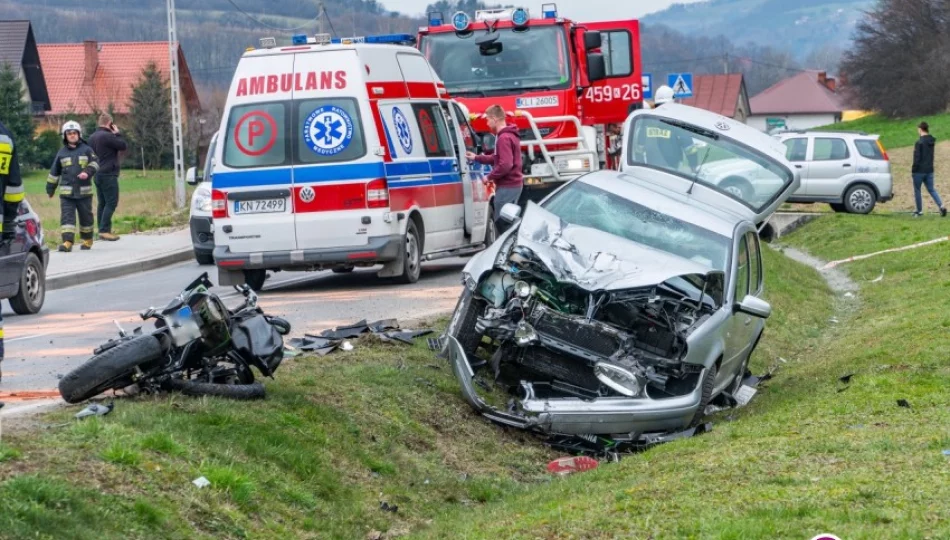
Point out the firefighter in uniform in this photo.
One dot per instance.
(672, 149)
(11, 186)
(72, 171)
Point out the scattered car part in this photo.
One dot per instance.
(95, 409)
(569, 465)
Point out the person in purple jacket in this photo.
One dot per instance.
(505, 161)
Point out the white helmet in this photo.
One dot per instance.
(72, 125)
(664, 94)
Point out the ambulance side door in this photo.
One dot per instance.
(611, 100)
(473, 187)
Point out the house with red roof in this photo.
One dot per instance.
(722, 94)
(90, 77)
(807, 100)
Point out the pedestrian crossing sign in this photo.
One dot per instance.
(681, 83)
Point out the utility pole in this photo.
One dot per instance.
(176, 106)
(321, 11)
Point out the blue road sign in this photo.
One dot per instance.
(647, 83)
(681, 83)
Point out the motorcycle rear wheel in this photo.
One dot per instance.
(111, 369)
(244, 392)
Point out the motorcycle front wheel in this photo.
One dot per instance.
(111, 369)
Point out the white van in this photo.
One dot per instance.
(334, 156)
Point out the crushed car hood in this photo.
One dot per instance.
(595, 260)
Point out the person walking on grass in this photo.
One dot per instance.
(73, 169)
(107, 143)
(505, 160)
(923, 169)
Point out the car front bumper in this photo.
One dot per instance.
(379, 249)
(202, 234)
(604, 416)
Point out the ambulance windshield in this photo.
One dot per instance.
(536, 58)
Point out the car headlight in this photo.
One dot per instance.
(202, 203)
(565, 164)
(618, 378)
(468, 281)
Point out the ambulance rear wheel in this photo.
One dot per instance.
(412, 267)
(255, 279)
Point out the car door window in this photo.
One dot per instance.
(795, 149)
(468, 136)
(755, 264)
(829, 149)
(741, 281)
(435, 135)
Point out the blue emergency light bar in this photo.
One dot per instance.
(299, 39)
(549, 11)
(436, 18)
(397, 39)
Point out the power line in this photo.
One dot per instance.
(332, 30)
(262, 23)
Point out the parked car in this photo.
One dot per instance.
(848, 170)
(23, 264)
(625, 302)
(202, 231)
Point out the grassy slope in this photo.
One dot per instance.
(897, 133)
(145, 203)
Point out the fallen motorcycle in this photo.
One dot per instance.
(198, 347)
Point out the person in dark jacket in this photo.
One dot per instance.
(11, 187)
(506, 162)
(72, 171)
(107, 143)
(923, 169)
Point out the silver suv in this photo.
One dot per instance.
(848, 170)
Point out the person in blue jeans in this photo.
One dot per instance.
(923, 169)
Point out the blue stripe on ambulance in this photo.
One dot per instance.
(441, 171)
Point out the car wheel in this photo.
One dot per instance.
(860, 199)
(464, 319)
(738, 187)
(412, 268)
(255, 279)
(32, 293)
(708, 382)
(837, 207)
(204, 259)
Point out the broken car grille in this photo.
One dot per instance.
(591, 337)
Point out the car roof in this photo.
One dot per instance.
(800, 132)
(678, 205)
(314, 48)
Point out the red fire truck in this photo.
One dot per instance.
(563, 81)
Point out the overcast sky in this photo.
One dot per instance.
(580, 10)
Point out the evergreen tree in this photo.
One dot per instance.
(16, 113)
(151, 116)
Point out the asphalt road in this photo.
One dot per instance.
(74, 321)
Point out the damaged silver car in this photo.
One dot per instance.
(625, 302)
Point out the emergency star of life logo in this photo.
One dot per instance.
(402, 130)
(328, 130)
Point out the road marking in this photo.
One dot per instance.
(24, 338)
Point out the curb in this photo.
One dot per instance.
(119, 270)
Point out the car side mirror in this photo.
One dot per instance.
(191, 177)
(750, 305)
(510, 212)
(596, 67)
(592, 40)
(488, 142)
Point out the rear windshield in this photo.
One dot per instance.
(283, 133)
(869, 148)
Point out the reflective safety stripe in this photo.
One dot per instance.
(94, 165)
(6, 154)
(66, 161)
(6, 141)
(86, 229)
(85, 190)
(68, 228)
(1, 332)
(52, 179)
(13, 197)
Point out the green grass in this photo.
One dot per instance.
(145, 203)
(839, 236)
(338, 435)
(896, 133)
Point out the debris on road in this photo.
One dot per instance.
(95, 409)
(879, 278)
(846, 379)
(569, 465)
(327, 341)
(903, 403)
(386, 507)
(201, 482)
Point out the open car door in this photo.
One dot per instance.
(610, 100)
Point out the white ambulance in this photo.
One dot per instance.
(342, 155)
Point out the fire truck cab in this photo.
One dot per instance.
(562, 81)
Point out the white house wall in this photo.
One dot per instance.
(794, 121)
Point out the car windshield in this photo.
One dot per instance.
(708, 158)
(589, 206)
(535, 58)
